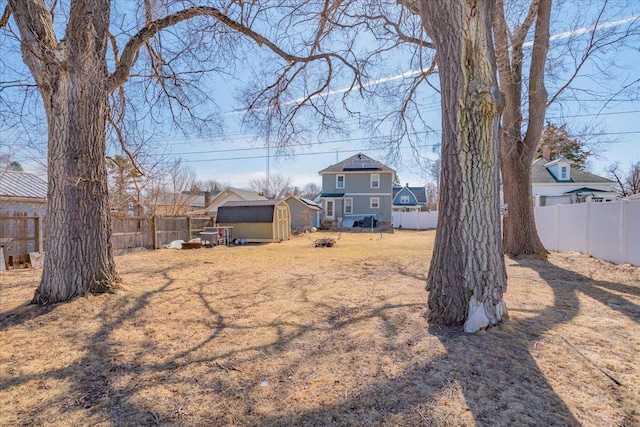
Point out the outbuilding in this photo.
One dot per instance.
(305, 214)
(257, 220)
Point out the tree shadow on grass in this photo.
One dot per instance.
(494, 371)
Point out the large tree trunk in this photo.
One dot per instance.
(467, 278)
(72, 79)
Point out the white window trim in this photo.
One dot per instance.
(371, 180)
(404, 199)
(350, 204)
(343, 181)
(377, 200)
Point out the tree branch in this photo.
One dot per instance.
(5, 16)
(129, 54)
(537, 90)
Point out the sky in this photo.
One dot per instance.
(614, 129)
(235, 157)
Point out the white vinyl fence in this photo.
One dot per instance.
(415, 220)
(608, 231)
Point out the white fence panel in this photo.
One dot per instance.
(573, 223)
(415, 220)
(608, 231)
(606, 234)
(632, 216)
(547, 225)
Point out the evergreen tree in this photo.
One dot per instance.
(559, 143)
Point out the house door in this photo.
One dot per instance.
(329, 209)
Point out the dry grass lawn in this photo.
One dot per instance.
(289, 334)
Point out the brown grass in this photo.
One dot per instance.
(289, 334)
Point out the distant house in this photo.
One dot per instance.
(355, 190)
(22, 192)
(557, 183)
(175, 204)
(257, 220)
(304, 213)
(229, 194)
(409, 199)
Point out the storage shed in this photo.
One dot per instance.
(304, 213)
(257, 220)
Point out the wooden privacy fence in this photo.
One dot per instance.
(21, 234)
(154, 232)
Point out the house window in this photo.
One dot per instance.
(375, 180)
(563, 172)
(374, 202)
(348, 205)
(404, 200)
(339, 181)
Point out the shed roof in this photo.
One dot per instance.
(305, 202)
(246, 211)
(22, 184)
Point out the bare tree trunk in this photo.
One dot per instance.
(520, 233)
(467, 277)
(72, 79)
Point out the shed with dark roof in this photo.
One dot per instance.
(257, 220)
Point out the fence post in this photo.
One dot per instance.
(588, 226)
(36, 232)
(154, 237)
(557, 248)
(623, 230)
(188, 228)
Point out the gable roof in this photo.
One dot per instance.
(247, 211)
(357, 163)
(541, 175)
(243, 194)
(22, 184)
(305, 202)
(420, 193)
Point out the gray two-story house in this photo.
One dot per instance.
(357, 191)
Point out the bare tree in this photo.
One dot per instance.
(628, 181)
(310, 191)
(467, 277)
(521, 135)
(210, 185)
(275, 186)
(123, 184)
(82, 91)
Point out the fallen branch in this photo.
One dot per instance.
(600, 368)
(324, 242)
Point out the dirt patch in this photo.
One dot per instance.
(290, 334)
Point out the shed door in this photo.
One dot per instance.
(282, 223)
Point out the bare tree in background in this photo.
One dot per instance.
(628, 181)
(275, 187)
(210, 185)
(82, 91)
(523, 119)
(310, 191)
(170, 192)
